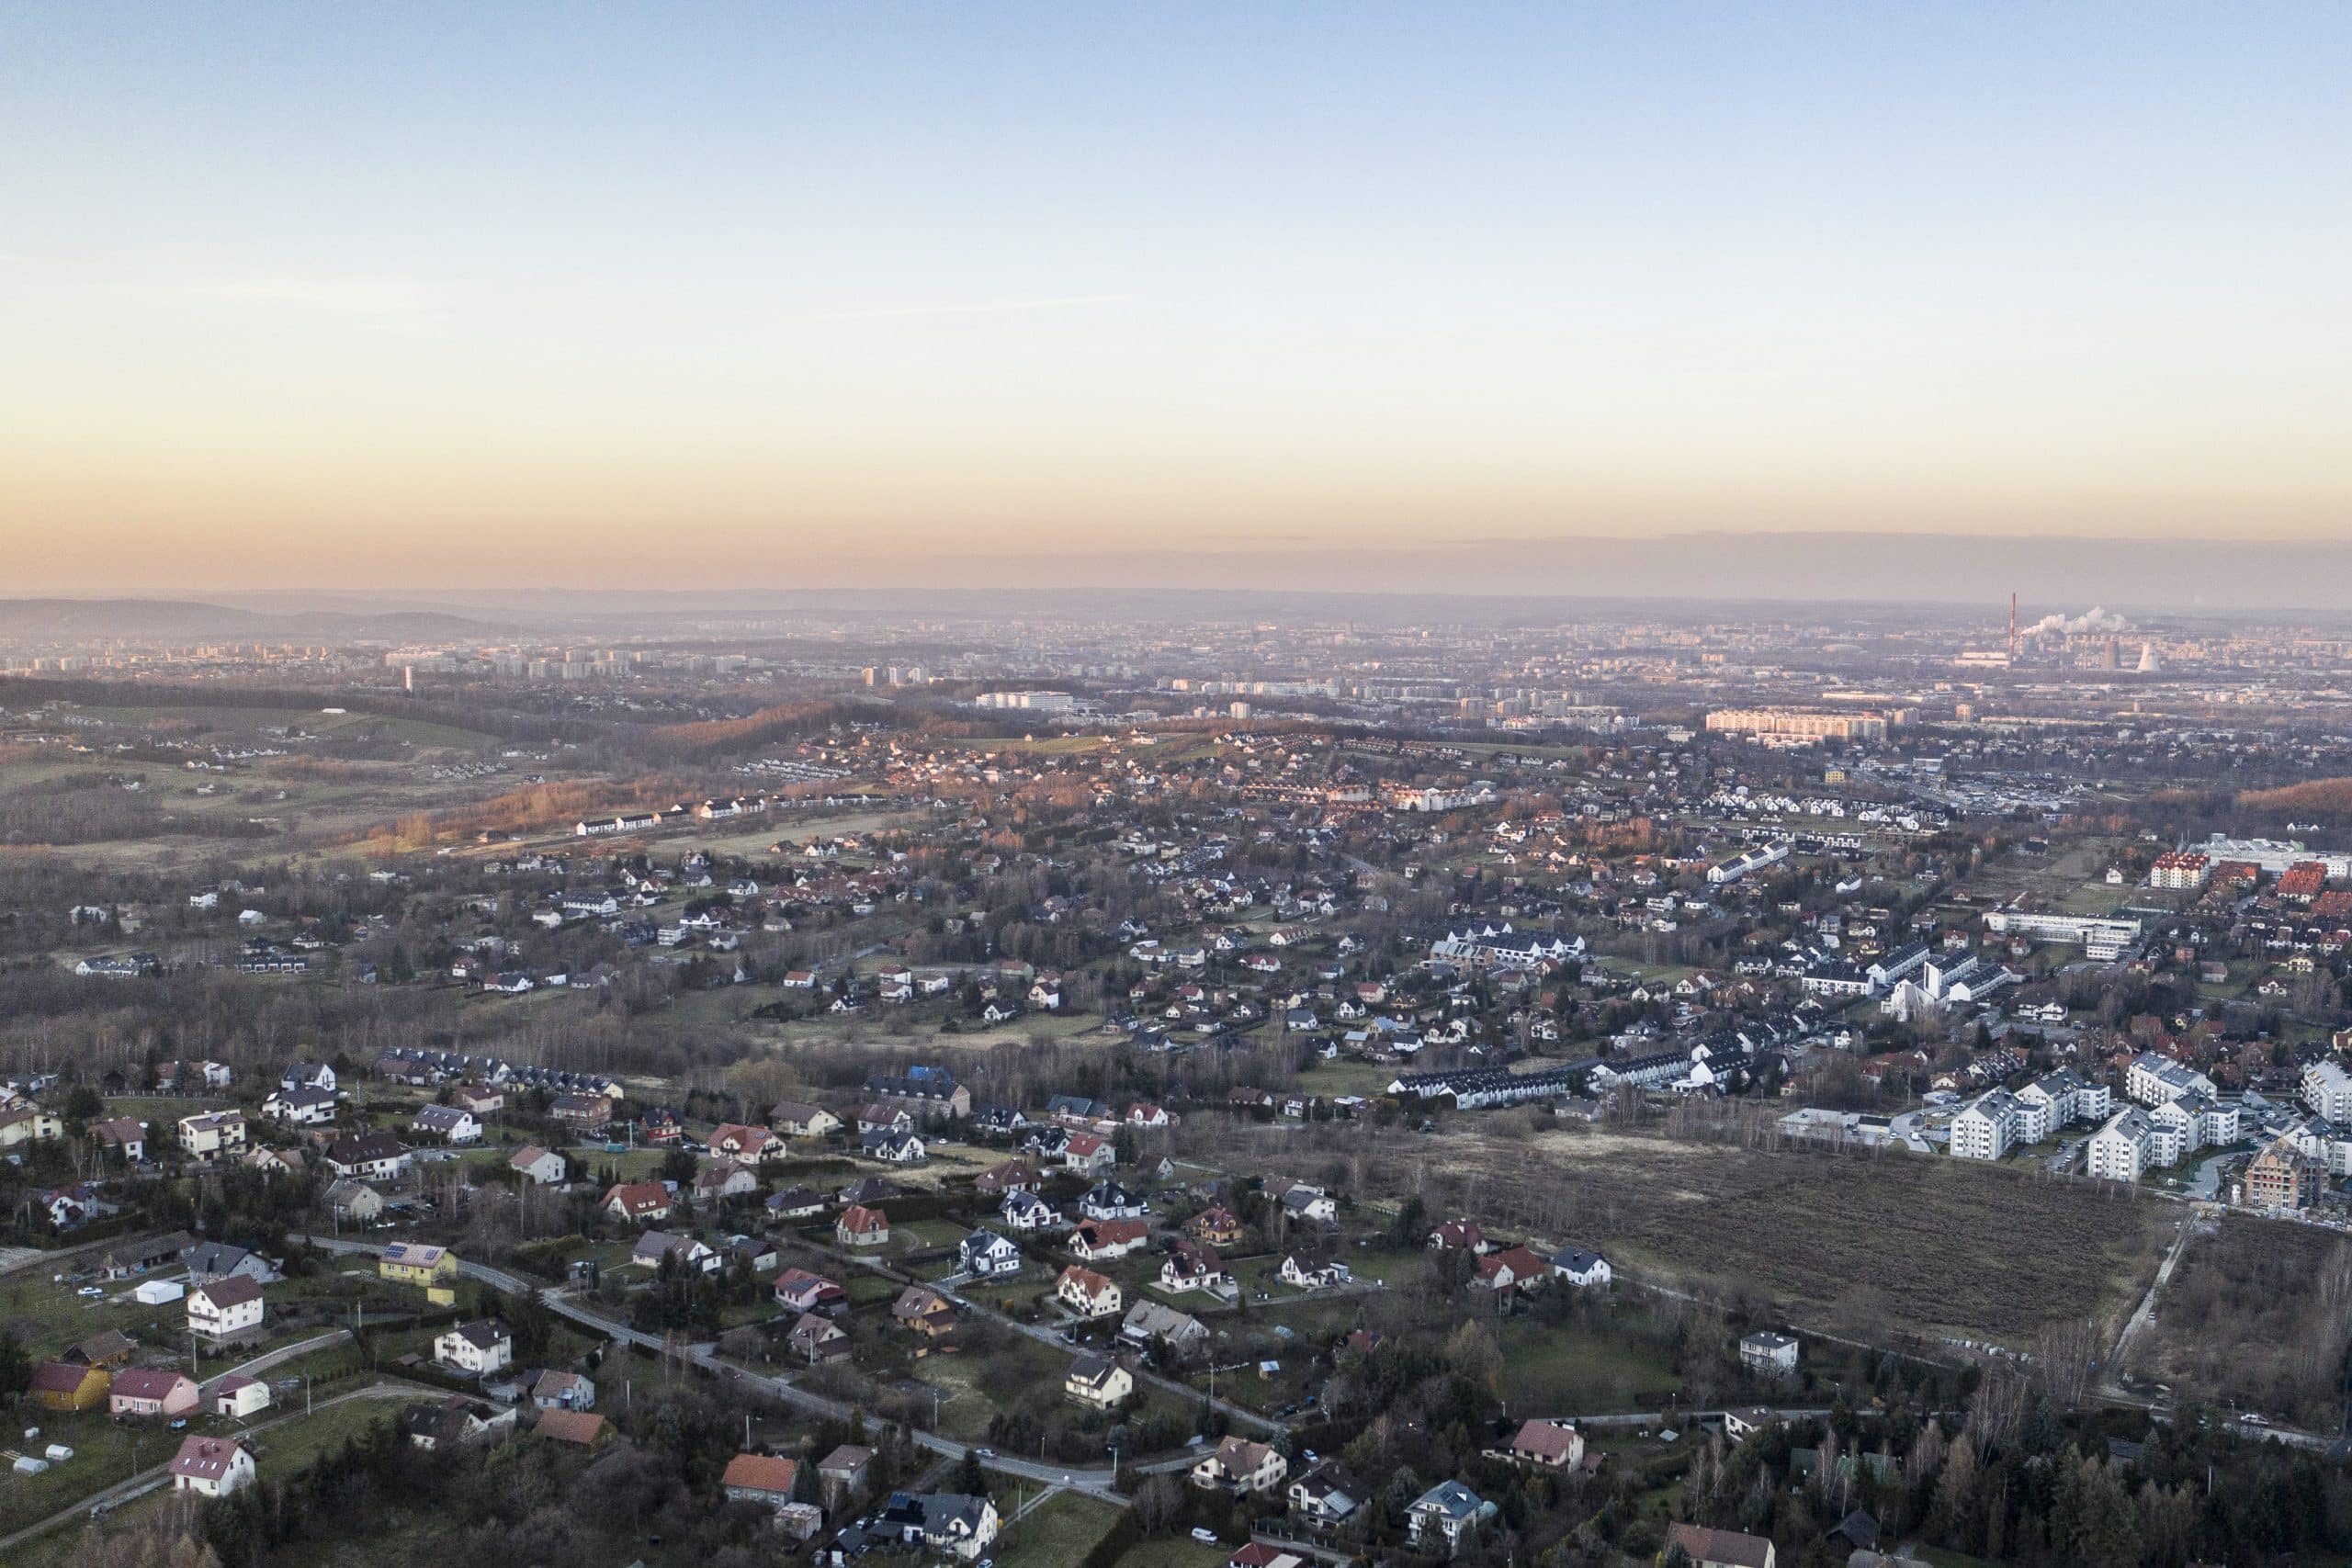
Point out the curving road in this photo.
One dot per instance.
(1095, 1483)
(146, 1481)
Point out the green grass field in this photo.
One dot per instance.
(1176, 1551)
(1061, 1531)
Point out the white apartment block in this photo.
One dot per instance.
(2056, 1100)
(2327, 1091)
(2097, 938)
(2035, 1118)
(2119, 1151)
(2154, 1080)
(1985, 1127)
(2323, 1141)
(1801, 723)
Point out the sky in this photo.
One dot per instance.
(771, 295)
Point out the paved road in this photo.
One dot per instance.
(144, 1482)
(1688, 1417)
(1044, 1336)
(262, 1363)
(2207, 1183)
(1096, 1483)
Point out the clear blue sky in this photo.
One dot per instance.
(362, 288)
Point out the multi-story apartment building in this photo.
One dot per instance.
(2119, 1151)
(2157, 1080)
(1803, 723)
(1986, 1127)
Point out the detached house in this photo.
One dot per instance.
(1550, 1444)
(638, 1203)
(1580, 1267)
(542, 1167)
(988, 1255)
(372, 1156)
(1088, 1153)
(861, 1226)
(146, 1392)
(803, 1121)
(1194, 1266)
(750, 1145)
(126, 1135)
(1099, 1239)
(924, 1311)
(816, 1340)
(1098, 1382)
(212, 1467)
(1240, 1465)
(1025, 1210)
(475, 1348)
(1720, 1549)
(227, 1311)
(798, 1290)
(1313, 1274)
(446, 1125)
(763, 1479)
(1326, 1495)
(951, 1522)
(301, 1107)
(1444, 1517)
(214, 1136)
(416, 1263)
(1087, 1293)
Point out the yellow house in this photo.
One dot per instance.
(62, 1385)
(413, 1263)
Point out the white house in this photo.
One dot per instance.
(535, 1164)
(1447, 1515)
(212, 1467)
(447, 1123)
(1768, 1352)
(239, 1398)
(988, 1254)
(1240, 1465)
(301, 1107)
(475, 1348)
(1580, 1267)
(227, 1310)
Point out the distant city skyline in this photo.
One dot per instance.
(753, 296)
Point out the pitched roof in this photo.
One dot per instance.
(1706, 1545)
(58, 1377)
(584, 1428)
(762, 1473)
(234, 1291)
(204, 1458)
(146, 1382)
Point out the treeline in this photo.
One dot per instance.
(2260, 1315)
(2313, 799)
(496, 720)
(785, 721)
(88, 808)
